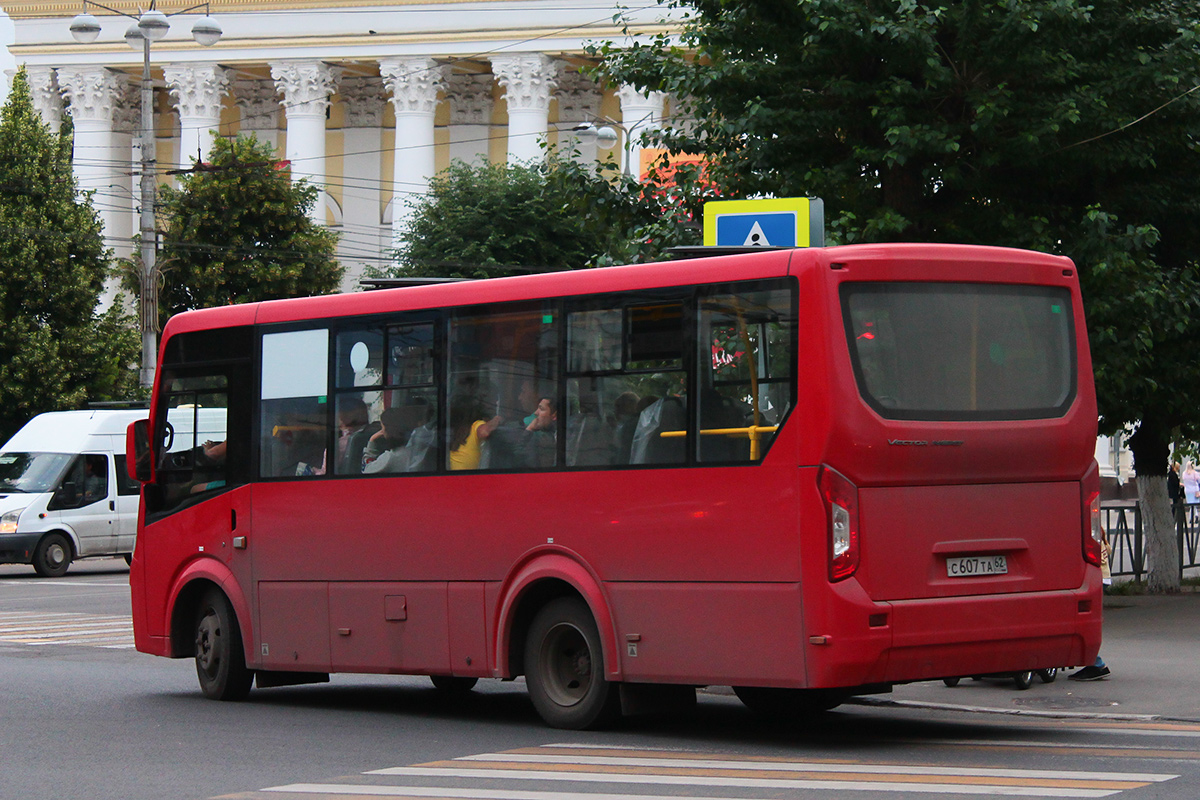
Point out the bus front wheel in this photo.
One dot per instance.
(564, 668)
(220, 657)
(52, 556)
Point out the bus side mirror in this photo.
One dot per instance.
(137, 450)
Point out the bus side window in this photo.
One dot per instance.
(746, 378)
(503, 362)
(627, 387)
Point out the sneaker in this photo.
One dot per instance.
(1092, 673)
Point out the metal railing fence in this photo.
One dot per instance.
(1122, 520)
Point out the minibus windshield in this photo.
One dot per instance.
(32, 472)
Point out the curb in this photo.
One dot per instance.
(1018, 712)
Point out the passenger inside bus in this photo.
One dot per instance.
(354, 431)
(468, 431)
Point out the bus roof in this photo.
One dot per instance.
(748, 266)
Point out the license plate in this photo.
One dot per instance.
(975, 566)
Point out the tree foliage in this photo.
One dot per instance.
(1058, 125)
(238, 231)
(494, 219)
(56, 352)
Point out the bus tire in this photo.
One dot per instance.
(564, 668)
(777, 703)
(220, 657)
(451, 684)
(1023, 680)
(52, 556)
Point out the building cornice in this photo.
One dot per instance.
(378, 41)
(27, 9)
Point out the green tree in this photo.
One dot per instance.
(495, 219)
(238, 231)
(1053, 124)
(56, 352)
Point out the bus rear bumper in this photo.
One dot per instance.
(965, 636)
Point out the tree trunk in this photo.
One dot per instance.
(1158, 534)
(1151, 451)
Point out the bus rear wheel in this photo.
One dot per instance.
(787, 703)
(220, 657)
(564, 668)
(52, 556)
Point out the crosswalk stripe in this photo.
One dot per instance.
(742, 777)
(95, 630)
(896, 783)
(757, 765)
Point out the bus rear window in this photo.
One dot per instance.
(941, 351)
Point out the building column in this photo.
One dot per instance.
(578, 104)
(260, 110)
(527, 80)
(307, 87)
(94, 95)
(47, 97)
(197, 90)
(362, 240)
(413, 84)
(470, 98)
(639, 113)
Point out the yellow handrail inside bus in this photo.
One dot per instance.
(278, 429)
(752, 432)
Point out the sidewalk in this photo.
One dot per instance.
(1152, 646)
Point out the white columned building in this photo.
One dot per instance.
(640, 112)
(474, 80)
(528, 81)
(198, 91)
(364, 102)
(470, 98)
(47, 96)
(307, 87)
(414, 84)
(258, 109)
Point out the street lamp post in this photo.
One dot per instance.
(606, 137)
(151, 26)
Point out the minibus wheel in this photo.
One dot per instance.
(564, 668)
(220, 657)
(1023, 680)
(52, 556)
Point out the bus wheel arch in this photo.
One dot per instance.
(53, 555)
(532, 586)
(190, 589)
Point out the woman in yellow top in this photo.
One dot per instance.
(468, 431)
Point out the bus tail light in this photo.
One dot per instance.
(1092, 533)
(841, 508)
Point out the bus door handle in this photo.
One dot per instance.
(112, 505)
(239, 543)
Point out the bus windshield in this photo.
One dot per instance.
(961, 351)
(32, 472)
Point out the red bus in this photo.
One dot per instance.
(805, 474)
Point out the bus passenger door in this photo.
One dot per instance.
(86, 501)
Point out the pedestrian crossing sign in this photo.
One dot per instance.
(771, 222)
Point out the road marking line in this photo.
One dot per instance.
(95, 630)
(711, 764)
(994, 787)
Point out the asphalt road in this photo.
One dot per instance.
(85, 716)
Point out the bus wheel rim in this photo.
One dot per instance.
(566, 664)
(208, 644)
